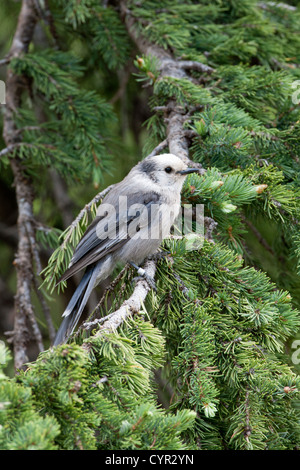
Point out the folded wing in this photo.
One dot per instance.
(108, 232)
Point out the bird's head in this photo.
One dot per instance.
(166, 170)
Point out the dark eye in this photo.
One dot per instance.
(168, 169)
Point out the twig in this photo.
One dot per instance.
(33, 246)
(193, 65)
(159, 148)
(8, 149)
(44, 13)
(184, 289)
(88, 325)
(5, 61)
(36, 257)
(178, 142)
(259, 236)
(34, 325)
(247, 428)
(29, 128)
(210, 225)
(61, 197)
(124, 76)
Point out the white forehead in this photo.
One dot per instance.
(169, 159)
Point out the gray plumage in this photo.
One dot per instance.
(127, 228)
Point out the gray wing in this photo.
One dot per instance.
(92, 248)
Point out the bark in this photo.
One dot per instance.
(24, 313)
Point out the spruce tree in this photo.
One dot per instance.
(207, 361)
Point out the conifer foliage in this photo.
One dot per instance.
(204, 361)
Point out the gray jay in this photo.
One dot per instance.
(131, 222)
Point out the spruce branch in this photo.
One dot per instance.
(177, 141)
(23, 145)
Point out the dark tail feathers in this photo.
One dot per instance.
(76, 305)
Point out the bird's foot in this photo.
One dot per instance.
(143, 275)
(159, 255)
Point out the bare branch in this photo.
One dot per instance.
(193, 65)
(210, 225)
(5, 61)
(159, 148)
(123, 76)
(8, 149)
(178, 143)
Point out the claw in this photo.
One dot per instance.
(147, 278)
(159, 255)
(143, 275)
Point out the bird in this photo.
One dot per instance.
(129, 226)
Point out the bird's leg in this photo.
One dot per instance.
(143, 275)
(159, 255)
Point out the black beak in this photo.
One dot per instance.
(188, 171)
